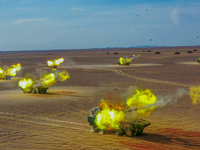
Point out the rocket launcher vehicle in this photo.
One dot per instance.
(28, 85)
(7, 73)
(129, 128)
(127, 61)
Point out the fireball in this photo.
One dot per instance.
(123, 61)
(25, 84)
(62, 76)
(110, 116)
(195, 94)
(12, 71)
(141, 99)
(55, 63)
(1, 71)
(49, 79)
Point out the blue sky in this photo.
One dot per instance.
(78, 24)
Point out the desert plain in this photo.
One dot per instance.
(58, 119)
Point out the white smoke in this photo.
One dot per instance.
(163, 100)
(175, 16)
(131, 115)
(134, 57)
(69, 62)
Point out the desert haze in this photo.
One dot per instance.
(58, 119)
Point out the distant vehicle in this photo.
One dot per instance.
(157, 52)
(149, 51)
(130, 128)
(107, 52)
(189, 51)
(177, 53)
(194, 50)
(116, 53)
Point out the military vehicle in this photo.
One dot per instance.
(129, 128)
(157, 52)
(38, 87)
(5, 77)
(177, 53)
(127, 61)
(124, 61)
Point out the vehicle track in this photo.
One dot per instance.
(145, 79)
(62, 124)
(152, 80)
(46, 121)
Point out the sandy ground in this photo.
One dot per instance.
(58, 119)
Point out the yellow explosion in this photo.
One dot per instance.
(110, 116)
(26, 83)
(55, 63)
(140, 99)
(1, 71)
(62, 76)
(49, 79)
(195, 94)
(123, 61)
(12, 71)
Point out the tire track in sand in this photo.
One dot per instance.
(145, 79)
(75, 126)
(152, 80)
(46, 121)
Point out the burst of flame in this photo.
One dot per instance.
(110, 116)
(141, 99)
(49, 79)
(62, 76)
(1, 71)
(195, 94)
(12, 71)
(55, 63)
(25, 83)
(122, 60)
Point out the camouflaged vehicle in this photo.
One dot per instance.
(38, 88)
(129, 128)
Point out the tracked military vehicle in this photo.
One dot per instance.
(124, 61)
(129, 128)
(38, 87)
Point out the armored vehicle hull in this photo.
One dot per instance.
(38, 90)
(131, 128)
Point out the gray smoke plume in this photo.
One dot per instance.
(134, 57)
(129, 92)
(69, 62)
(163, 100)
